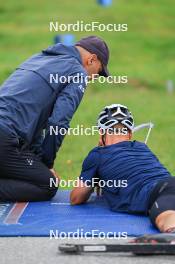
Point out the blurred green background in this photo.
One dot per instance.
(145, 53)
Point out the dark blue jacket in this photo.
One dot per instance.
(133, 171)
(30, 102)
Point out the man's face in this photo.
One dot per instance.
(93, 65)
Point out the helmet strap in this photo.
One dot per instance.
(103, 139)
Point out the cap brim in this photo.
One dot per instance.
(104, 72)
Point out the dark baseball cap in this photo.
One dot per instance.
(96, 45)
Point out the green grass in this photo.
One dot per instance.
(146, 105)
(145, 54)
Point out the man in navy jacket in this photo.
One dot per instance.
(32, 100)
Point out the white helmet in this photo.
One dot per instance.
(115, 114)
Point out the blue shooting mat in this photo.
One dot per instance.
(57, 218)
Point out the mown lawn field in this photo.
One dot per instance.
(145, 54)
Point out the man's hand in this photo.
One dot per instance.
(55, 174)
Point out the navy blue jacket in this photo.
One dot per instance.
(30, 102)
(133, 171)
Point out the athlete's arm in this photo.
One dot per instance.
(80, 194)
(86, 183)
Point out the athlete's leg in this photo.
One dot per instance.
(166, 221)
(162, 213)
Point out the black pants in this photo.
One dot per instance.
(162, 198)
(23, 177)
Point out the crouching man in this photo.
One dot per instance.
(141, 184)
(32, 103)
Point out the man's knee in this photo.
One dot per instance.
(50, 192)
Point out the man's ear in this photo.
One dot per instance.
(92, 58)
(100, 142)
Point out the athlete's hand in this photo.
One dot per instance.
(55, 174)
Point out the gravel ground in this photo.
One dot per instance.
(43, 250)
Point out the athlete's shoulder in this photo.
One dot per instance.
(139, 144)
(94, 152)
(92, 159)
(142, 147)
